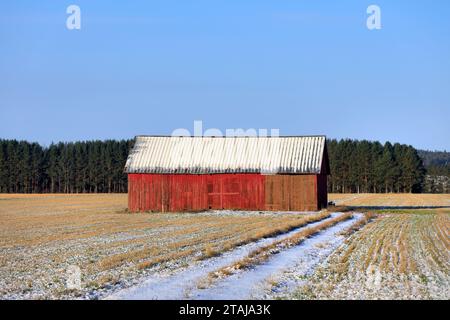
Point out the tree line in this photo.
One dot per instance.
(365, 166)
(78, 167)
(97, 166)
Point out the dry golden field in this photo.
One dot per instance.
(390, 199)
(42, 235)
(397, 256)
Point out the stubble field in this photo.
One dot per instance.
(390, 254)
(390, 199)
(42, 235)
(397, 256)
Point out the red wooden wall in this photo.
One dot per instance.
(190, 192)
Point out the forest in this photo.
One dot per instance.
(78, 167)
(97, 167)
(364, 166)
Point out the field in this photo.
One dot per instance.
(390, 200)
(403, 254)
(389, 253)
(398, 256)
(42, 235)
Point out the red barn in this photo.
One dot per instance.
(172, 174)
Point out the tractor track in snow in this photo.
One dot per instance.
(287, 266)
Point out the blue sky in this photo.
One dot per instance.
(149, 67)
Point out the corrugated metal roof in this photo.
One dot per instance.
(206, 155)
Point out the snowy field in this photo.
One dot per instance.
(397, 256)
(43, 237)
(247, 284)
(384, 253)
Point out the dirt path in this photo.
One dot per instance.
(247, 284)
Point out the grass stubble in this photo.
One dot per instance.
(401, 254)
(397, 256)
(42, 235)
(263, 253)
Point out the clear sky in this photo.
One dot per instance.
(149, 67)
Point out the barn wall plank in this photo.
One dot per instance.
(190, 192)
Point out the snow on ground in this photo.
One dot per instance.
(295, 263)
(246, 284)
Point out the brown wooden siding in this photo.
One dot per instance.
(291, 193)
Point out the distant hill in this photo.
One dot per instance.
(437, 165)
(434, 158)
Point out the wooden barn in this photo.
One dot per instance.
(172, 174)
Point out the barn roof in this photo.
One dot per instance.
(208, 155)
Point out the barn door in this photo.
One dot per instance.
(224, 191)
